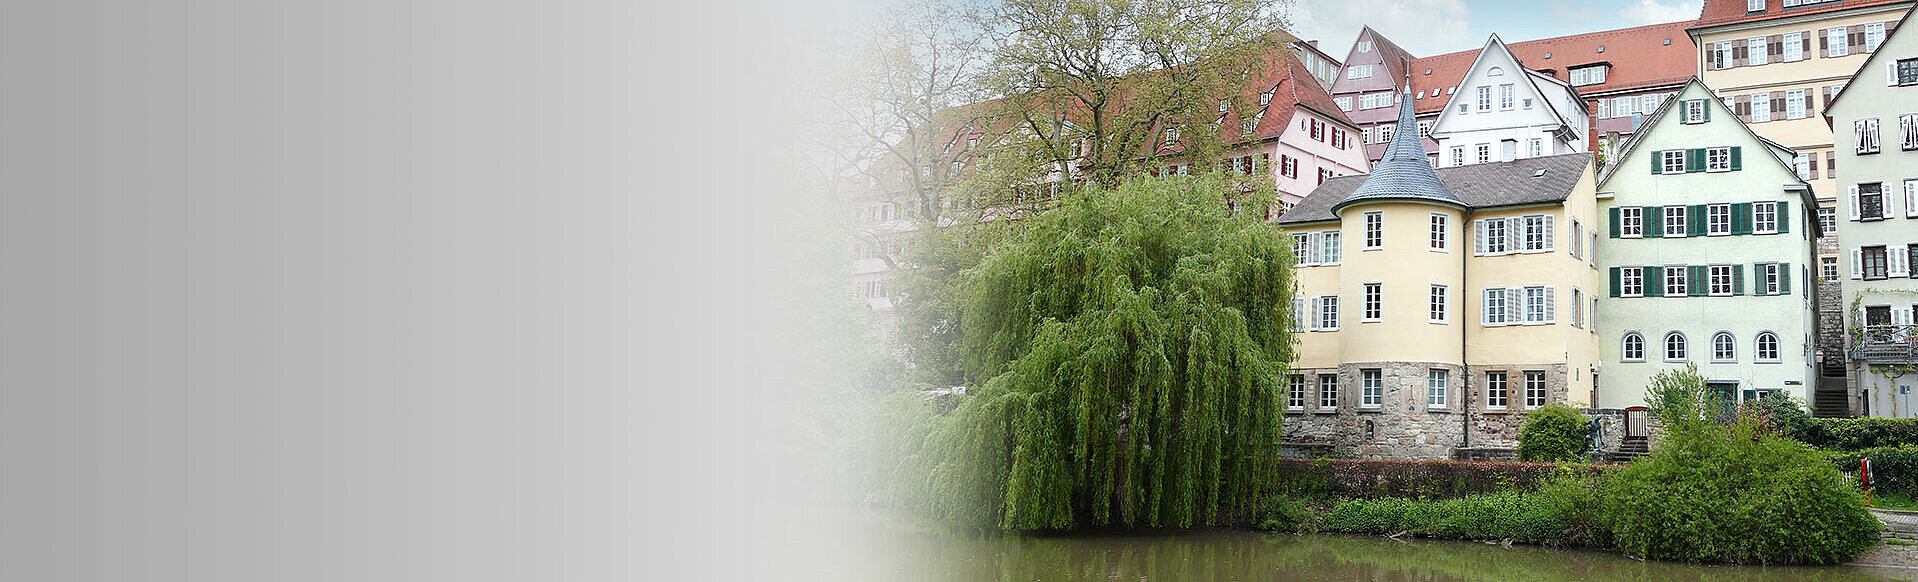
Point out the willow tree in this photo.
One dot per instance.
(1132, 341)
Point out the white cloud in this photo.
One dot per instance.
(1568, 10)
(1652, 12)
(1424, 27)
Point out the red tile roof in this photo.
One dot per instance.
(1394, 57)
(1639, 57)
(1719, 12)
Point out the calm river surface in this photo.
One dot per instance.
(1236, 555)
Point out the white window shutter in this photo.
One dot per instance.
(1895, 261)
(1514, 305)
(1891, 74)
(1313, 318)
(1551, 305)
(1911, 198)
(1853, 193)
(1478, 237)
(1550, 234)
(1298, 313)
(1514, 234)
(1312, 246)
(1857, 265)
(1485, 306)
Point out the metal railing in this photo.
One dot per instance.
(1885, 343)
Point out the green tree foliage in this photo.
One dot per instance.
(1681, 398)
(1131, 341)
(1553, 433)
(1739, 494)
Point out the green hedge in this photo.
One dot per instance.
(1851, 434)
(1892, 468)
(1554, 433)
(1559, 512)
(1354, 478)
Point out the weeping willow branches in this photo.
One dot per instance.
(1132, 341)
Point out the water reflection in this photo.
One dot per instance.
(1230, 555)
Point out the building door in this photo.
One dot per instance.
(1727, 395)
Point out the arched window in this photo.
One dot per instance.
(1768, 347)
(1495, 72)
(1724, 348)
(1674, 347)
(1633, 349)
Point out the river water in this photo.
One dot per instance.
(1240, 555)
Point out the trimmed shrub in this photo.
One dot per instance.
(1351, 478)
(1514, 515)
(1736, 494)
(1892, 468)
(1554, 433)
(1851, 434)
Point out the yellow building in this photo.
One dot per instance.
(1440, 305)
(1777, 64)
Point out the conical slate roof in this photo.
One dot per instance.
(1404, 173)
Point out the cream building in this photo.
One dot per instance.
(1440, 305)
(1707, 254)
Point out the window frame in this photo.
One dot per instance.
(1631, 282)
(1537, 392)
(1718, 219)
(1497, 389)
(1295, 392)
(1718, 159)
(1438, 304)
(1328, 392)
(1374, 230)
(1675, 221)
(1675, 283)
(1631, 222)
(1758, 349)
(1439, 239)
(1372, 302)
(1371, 388)
(1672, 161)
(1721, 342)
(1764, 218)
(1437, 388)
(1675, 338)
(1625, 347)
(1328, 315)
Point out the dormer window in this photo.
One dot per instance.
(1171, 135)
(972, 143)
(1224, 105)
(1583, 76)
(1755, 5)
(1265, 98)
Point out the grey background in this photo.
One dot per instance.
(395, 290)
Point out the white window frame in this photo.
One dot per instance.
(1718, 280)
(1328, 313)
(1330, 247)
(1631, 222)
(1535, 147)
(1718, 219)
(1302, 248)
(1505, 92)
(1758, 349)
(1768, 278)
(1721, 341)
(1458, 156)
(1295, 392)
(1795, 104)
(1675, 283)
(1538, 305)
(1874, 36)
(1684, 347)
(1794, 48)
(1625, 347)
(1673, 161)
(1498, 391)
(1695, 111)
(1438, 305)
(1371, 388)
(1535, 389)
(1328, 394)
(1631, 282)
(1436, 388)
(1358, 72)
(1675, 221)
(1484, 98)
(1374, 230)
(1484, 153)
(1756, 51)
(1718, 159)
(1440, 238)
(1764, 218)
(1492, 307)
(1835, 41)
(1372, 302)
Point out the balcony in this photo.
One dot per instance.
(1885, 344)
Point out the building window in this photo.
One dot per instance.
(1724, 348)
(1435, 388)
(1871, 201)
(1631, 221)
(1674, 221)
(1755, 47)
(1494, 236)
(1587, 76)
(1538, 305)
(1674, 161)
(1301, 247)
(1633, 348)
(1438, 310)
(1835, 40)
(1578, 308)
(1265, 98)
(1765, 217)
(1874, 35)
(1329, 247)
(1768, 347)
(1794, 46)
(1828, 220)
(1484, 98)
(1718, 219)
(1768, 278)
(1719, 281)
(1438, 240)
(1578, 237)
(1374, 230)
(1328, 313)
(1371, 389)
(1866, 131)
(1505, 96)
(1358, 72)
(1373, 301)
(1908, 131)
(1631, 282)
(1537, 230)
(1907, 71)
(1171, 135)
(1458, 155)
(1534, 147)
(1484, 153)
(1295, 391)
(1674, 347)
(875, 290)
(1755, 6)
(1695, 111)
(1492, 308)
(1328, 391)
(1720, 56)
(1675, 281)
(1534, 389)
(1425, 129)
(1365, 46)
(1828, 268)
(1873, 262)
(1718, 159)
(1495, 390)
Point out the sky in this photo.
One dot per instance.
(1434, 27)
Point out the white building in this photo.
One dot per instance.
(1503, 111)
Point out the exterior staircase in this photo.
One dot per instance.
(1629, 450)
(1830, 403)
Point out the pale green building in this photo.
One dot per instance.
(1708, 254)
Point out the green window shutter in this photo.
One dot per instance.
(1758, 279)
(1784, 278)
(1692, 163)
(1707, 117)
(1658, 162)
(1654, 281)
(1742, 218)
(1738, 279)
(1784, 217)
(1654, 219)
(1615, 221)
(1695, 220)
(1737, 164)
(1695, 282)
(1615, 281)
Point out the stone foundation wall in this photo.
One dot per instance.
(1403, 426)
